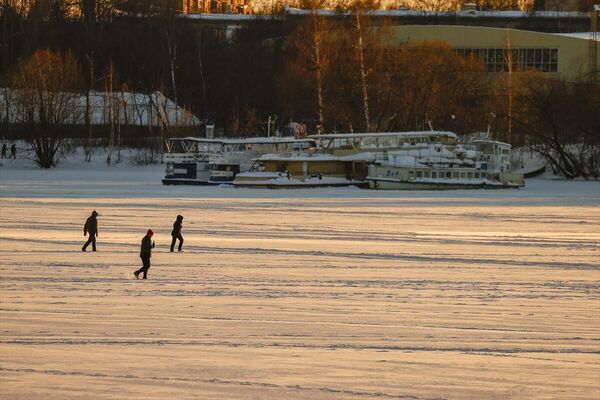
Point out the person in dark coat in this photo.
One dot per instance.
(13, 151)
(4, 150)
(91, 227)
(176, 233)
(145, 254)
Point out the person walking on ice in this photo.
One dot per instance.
(91, 227)
(176, 233)
(4, 150)
(13, 151)
(145, 254)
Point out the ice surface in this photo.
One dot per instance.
(296, 294)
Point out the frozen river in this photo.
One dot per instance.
(309, 294)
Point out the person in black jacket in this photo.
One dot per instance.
(145, 254)
(176, 233)
(91, 227)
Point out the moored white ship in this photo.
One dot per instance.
(201, 161)
(481, 164)
(238, 155)
(187, 160)
(344, 159)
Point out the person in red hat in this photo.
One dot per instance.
(145, 254)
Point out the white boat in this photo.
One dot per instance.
(201, 161)
(343, 159)
(480, 164)
(187, 160)
(238, 155)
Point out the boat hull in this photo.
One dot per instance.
(266, 180)
(180, 181)
(395, 184)
(273, 185)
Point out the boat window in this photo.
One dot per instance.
(476, 175)
(484, 175)
(462, 175)
(448, 174)
(419, 174)
(433, 174)
(427, 174)
(470, 175)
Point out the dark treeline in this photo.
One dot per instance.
(217, 77)
(342, 74)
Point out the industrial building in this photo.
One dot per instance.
(567, 56)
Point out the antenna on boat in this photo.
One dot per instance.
(428, 121)
(493, 115)
(430, 125)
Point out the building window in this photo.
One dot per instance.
(521, 59)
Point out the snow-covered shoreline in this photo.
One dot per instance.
(75, 178)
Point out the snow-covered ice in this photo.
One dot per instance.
(296, 294)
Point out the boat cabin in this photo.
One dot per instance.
(348, 143)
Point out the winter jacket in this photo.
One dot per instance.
(147, 246)
(91, 225)
(176, 228)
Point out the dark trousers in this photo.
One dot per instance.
(174, 240)
(145, 266)
(92, 240)
(13, 155)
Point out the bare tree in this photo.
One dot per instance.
(46, 98)
(110, 99)
(360, 49)
(311, 42)
(562, 122)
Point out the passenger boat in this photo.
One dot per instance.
(238, 155)
(187, 160)
(343, 159)
(481, 164)
(200, 161)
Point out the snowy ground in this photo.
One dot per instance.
(298, 294)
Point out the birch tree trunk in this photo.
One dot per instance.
(202, 81)
(509, 61)
(111, 114)
(89, 112)
(318, 64)
(363, 69)
(172, 50)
